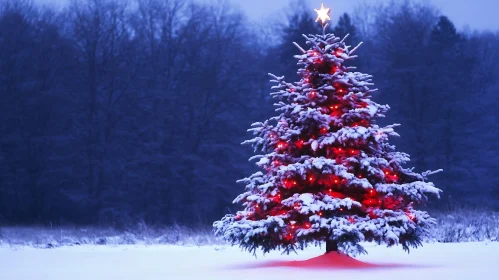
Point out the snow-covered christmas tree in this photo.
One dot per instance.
(329, 173)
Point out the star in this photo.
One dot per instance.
(323, 14)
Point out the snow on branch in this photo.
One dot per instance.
(429, 172)
(344, 38)
(354, 49)
(298, 46)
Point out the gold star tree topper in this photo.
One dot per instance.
(323, 14)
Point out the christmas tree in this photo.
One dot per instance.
(329, 173)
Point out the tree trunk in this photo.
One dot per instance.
(331, 246)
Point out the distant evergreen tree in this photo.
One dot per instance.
(444, 35)
(344, 27)
(301, 22)
(449, 71)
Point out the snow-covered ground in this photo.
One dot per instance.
(129, 262)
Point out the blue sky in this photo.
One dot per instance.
(478, 14)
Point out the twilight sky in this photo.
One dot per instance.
(478, 14)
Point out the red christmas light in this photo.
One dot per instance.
(276, 163)
(281, 145)
(354, 152)
(369, 202)
(324, 130)
(372, 192)
(312, 94)
(351, 220)
(341, 209)
(361, 105)
(338, 151)
(411, 216)
(334, 194)
(289, 183)
(320, 213)
(271, 135)
(338, 52)
(311, 178)
(299, 144)
(297, 206)
(307, 225)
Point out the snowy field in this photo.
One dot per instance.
(164, 262)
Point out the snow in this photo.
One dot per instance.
(433, 261)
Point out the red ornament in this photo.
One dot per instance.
(312, 94)
(372, 192)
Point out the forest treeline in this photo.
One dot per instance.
(114, 112)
